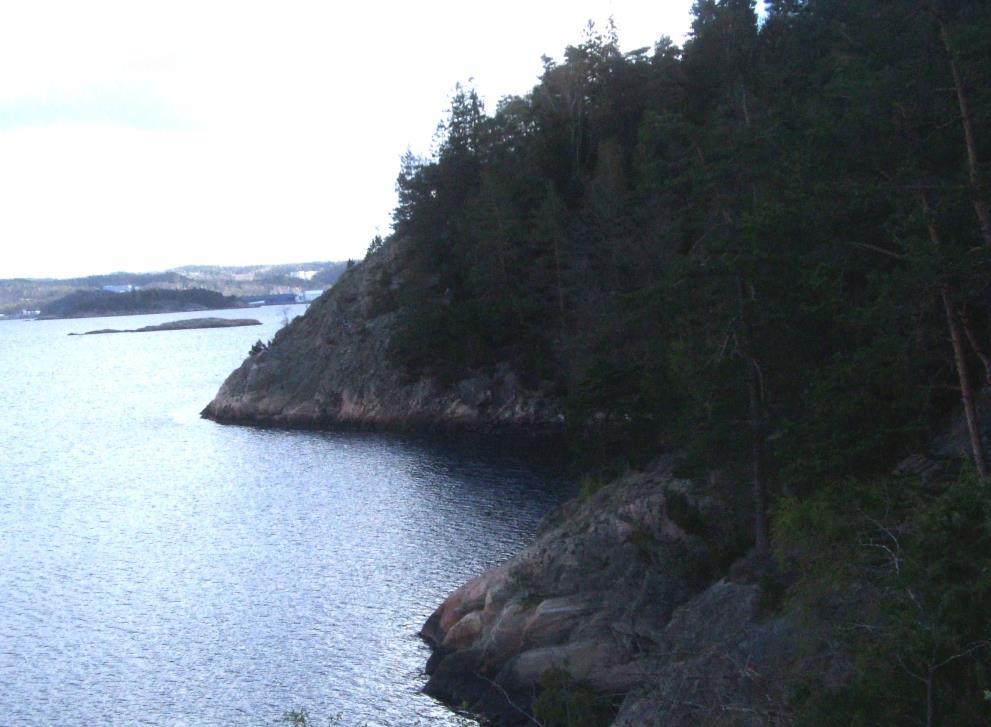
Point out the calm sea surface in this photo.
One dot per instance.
(157, 568)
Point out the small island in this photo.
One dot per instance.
(183, 325)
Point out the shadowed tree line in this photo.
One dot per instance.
(770, 249)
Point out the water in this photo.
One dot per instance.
(160, 569)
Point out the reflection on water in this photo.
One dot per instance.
(161, 569)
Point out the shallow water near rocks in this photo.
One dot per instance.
(160, 569)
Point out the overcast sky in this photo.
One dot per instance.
(145, 135)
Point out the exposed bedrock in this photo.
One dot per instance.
(329, 368)
(621, 592)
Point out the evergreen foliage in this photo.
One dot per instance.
(648, 230)
(897, 575)
(87, 303)
(769, 248)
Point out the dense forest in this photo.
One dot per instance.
(769, 250)
(18, 294)
(92, 303)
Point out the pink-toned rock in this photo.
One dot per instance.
(469, 597)
(597, 587)
(583, 660)
(464, 633)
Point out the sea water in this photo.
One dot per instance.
(157, 568)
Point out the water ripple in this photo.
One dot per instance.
(159, 569)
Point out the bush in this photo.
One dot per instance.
(899, 576)
(563, 702)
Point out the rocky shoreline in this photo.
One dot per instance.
(183, 325)
(622, 594)
(329, 369)
(625, 592)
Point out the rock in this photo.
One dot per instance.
(183, 325)
(620, 595)
(191, 323)
(718, 664)
(330, 368)
(946, 454)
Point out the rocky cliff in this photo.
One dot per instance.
(642, 593)
(329, 368)
(621, 592)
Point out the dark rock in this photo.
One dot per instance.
(717, 664)
(618, 595)
(330, 368)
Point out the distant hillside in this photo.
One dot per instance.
(92, 303)
(261, 279)
(26, 294)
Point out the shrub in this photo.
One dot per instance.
(564, 702)
(899, 575)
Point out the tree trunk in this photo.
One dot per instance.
(975, 344)
(981, 206)
(966, 391)
(557, 276)
(959, 355)
(756, 390)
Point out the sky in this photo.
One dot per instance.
(141, 136)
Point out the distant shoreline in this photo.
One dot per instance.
(96, 303)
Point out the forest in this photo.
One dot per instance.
(767, 249)
(94, 303)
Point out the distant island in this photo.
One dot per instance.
(250, 284)
(183, 325)
(94, 303)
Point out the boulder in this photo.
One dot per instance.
(618, 592)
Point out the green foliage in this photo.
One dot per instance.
(563, 702)
(900, 576)
(86, 303)
(739, 249)
(375, 245)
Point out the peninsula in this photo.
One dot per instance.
(747, 279)
(97, 303)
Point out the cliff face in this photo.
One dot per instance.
(640, 593)
(620, 591)
(329, 368)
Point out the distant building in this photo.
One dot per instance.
(119, 288)
(270, 299)
(304, 274)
